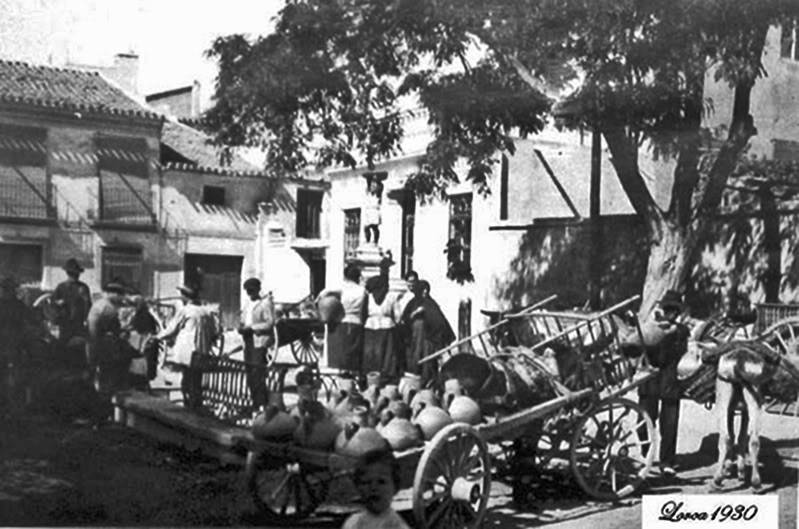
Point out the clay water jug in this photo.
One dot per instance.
(409, 385)
(356, 440)
(372, 391)
(317, 427)
(425, 397)
(395, 409)
(330, 309)
(452, 389)
(402, 434)
(274, 423)
(465, 409)
(431, 419)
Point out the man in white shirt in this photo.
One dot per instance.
(256, 328)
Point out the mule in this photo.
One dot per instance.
(745, 367)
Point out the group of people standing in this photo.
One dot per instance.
(385, 331)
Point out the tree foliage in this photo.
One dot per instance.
(328, 86)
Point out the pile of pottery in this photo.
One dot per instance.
(356, 421)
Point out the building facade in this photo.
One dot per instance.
(88, 172)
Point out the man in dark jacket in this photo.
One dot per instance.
(660, 396)
(73, 299)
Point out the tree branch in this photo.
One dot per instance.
(742, 128)
(625, 161)
(686, 173)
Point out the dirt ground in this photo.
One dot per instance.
(57, 472)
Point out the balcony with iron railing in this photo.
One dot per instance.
(25, 194)
(125, 201)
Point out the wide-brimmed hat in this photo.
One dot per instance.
(189, 291)
(672, 300)
(72, 265)
(252, 283)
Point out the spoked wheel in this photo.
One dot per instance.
(783, 336)
(308, 349)
(283, 492)
(611, 451)
(453, 480)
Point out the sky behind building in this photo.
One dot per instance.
(169, 36)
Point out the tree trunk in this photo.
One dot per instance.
(668, 266)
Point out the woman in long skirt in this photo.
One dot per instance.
(345, 341)
(380, 351)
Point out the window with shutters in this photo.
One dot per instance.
(309, 213)
(125, 194)
(25, 189)
(352, 232)
(459, 245)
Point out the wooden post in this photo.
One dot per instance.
(595, 230)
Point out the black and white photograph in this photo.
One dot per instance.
(399, 264)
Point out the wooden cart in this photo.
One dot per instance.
(604, 437)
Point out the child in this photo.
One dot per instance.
(371, 212)
(377, 479)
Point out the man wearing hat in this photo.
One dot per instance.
(192, 333)
(256, 329)
(106, 355)
(73, 298)
(660, 396)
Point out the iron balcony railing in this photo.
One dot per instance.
(25, 193)
(125, 199)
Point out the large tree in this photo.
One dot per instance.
(328, 84)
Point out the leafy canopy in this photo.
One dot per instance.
(329, 85)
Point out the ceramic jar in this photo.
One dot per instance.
(409, 385)
(431, 419)
(465, 409)
(425, 397)
(402, 434)
(356, 440)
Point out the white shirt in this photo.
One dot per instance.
(352, 297)
(366, 520)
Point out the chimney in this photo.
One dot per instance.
(195, 99)
(125, 71)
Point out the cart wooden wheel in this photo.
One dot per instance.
(610, 449)
(452, 480)
(783, 336)
(308, 349)
(283, 492)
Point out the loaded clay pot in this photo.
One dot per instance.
(317, 427)
(452, 389)
(395, 409)
(402, 434)
(372, 391)
(464, 409)
(425, 397)
(274, 423)
(330, 309)
(409, 386)
(431, 419)
(356, 440)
